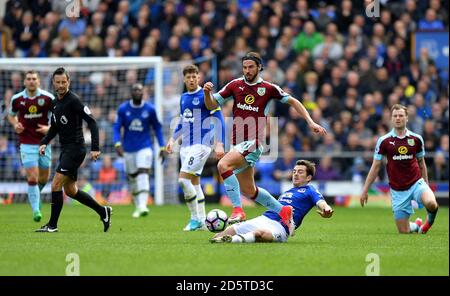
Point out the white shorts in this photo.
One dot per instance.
(141, 159)
(262, 222)
(193, 158)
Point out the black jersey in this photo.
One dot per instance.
(67, 115)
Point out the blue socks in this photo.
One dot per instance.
(231, 184)
(34, 196)
(264, 198)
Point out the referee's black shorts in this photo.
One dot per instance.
(70, 160)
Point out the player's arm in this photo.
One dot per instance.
(210, 102)
(117, 135)
(298, 106)
(219, 132)
(86, 114)
(423, 168)
(18, 127)
(373, 174)
(324, 209)
(177, 133)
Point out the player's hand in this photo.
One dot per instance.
(163, 154)
(95, 155)
(363, 199)
(18, 127)
(169, 146)
(42, 149)
(119, 150)
(207, 87)
(326, 213)
(317, 129)
(220, 151)
(43, 129)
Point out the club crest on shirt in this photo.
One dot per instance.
(411, 142)
(145, 114)
(196, 101)
(41, 102)
(261, 91)
(301, 190)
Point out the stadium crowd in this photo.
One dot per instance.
(346, 68)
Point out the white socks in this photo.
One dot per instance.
(200, 202)
(190, 196)
(143, 189)
(248, 237)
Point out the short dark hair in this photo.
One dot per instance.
(310, 166)
(254, 56)
(61, 71)
(190, 69)
(32, 72)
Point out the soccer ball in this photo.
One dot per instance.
(216, 220)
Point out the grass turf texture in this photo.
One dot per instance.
(156, 245)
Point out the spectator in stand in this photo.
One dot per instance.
(326, 170)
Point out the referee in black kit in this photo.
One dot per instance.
(68, 112)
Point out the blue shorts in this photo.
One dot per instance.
(251, 153)
(30, 157)
(401, 200)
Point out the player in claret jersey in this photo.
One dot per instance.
(407, 173)
(29, 115)
(252, 96)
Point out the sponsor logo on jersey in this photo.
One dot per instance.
(249, 99)
(41, 102)
(136, 125)
(411, 142)
(32, 109)
(247, 107)
(402, 150)
(63, 120)
(261, 91)
(188, 116)
(402, 157)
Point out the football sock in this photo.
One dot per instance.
(190, 197)
(248, 237)
(57, 204)
(431, 216)
(201, 203)
(413, 227)
(41, 186)
(33, 196)
(88, 201)
(264, 198)
(231, 184)
(143, 188)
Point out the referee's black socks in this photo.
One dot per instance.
(89, 201)
(57, 204)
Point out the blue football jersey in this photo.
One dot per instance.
(136, 122)
(198, 125)
(302, 199)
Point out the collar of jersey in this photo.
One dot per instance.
(407, 133)
(134, 106)
(195, 91)
(257, 81)
(25, 93)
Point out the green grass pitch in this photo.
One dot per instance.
(156, 245)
